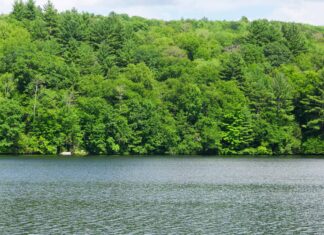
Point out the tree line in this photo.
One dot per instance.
(116, 84)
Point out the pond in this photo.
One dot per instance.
(161, 195)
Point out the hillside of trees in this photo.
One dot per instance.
(116, 84)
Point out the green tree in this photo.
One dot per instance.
(252, 54)
(7, 84)
(314, 108)
(262, 32)
(72, 26)
(296, 41)
(31, 10)
(232, 68)
(189, 42)
(51, 18)
(277, 53)
(11, 125)
(19, 10)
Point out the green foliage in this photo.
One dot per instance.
(277, 53)
(236, 132)
(262, 32)
(313, 107)
(116, 84)
(232, 68)
(7, 85)
(51, 19)
(18, 9)
(252, 54)
(25, 10)
(295, 40)
(72, 26)
(11, 125)
(314, 146)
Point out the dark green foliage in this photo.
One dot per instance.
(252, 54)
(18, 10)
(313, 106)
(296, 41)
(277, 53)
(51, 19)
(262, 32)
(72, 26)
(25, 11)
(79, 82)
(314, 146)
(109, 30)
(31, 10)
(232, 68)
(11, 125)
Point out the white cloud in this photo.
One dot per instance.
(301, 11)
(5, 6)
(307, 11)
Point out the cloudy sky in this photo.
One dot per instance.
(306, 11)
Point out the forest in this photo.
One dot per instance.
(121, 85)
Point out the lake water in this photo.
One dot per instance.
(161, 195)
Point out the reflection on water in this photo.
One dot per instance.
(161, 196)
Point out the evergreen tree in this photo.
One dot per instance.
(30, 10)
(19, 10)
(232, 68)
(296, 41)
(51, 18)
(314, 108)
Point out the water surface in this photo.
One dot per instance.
(161, 195)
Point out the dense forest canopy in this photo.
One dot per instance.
(116, 84)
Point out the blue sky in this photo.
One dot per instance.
(306, 11)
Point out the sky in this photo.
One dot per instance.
(303, 11)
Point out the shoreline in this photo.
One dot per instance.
(293, 156)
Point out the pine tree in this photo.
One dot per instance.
(295, 39)
(30, 10)
(50, 17)
(314, 108)
(18, 10)
(233, 68)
